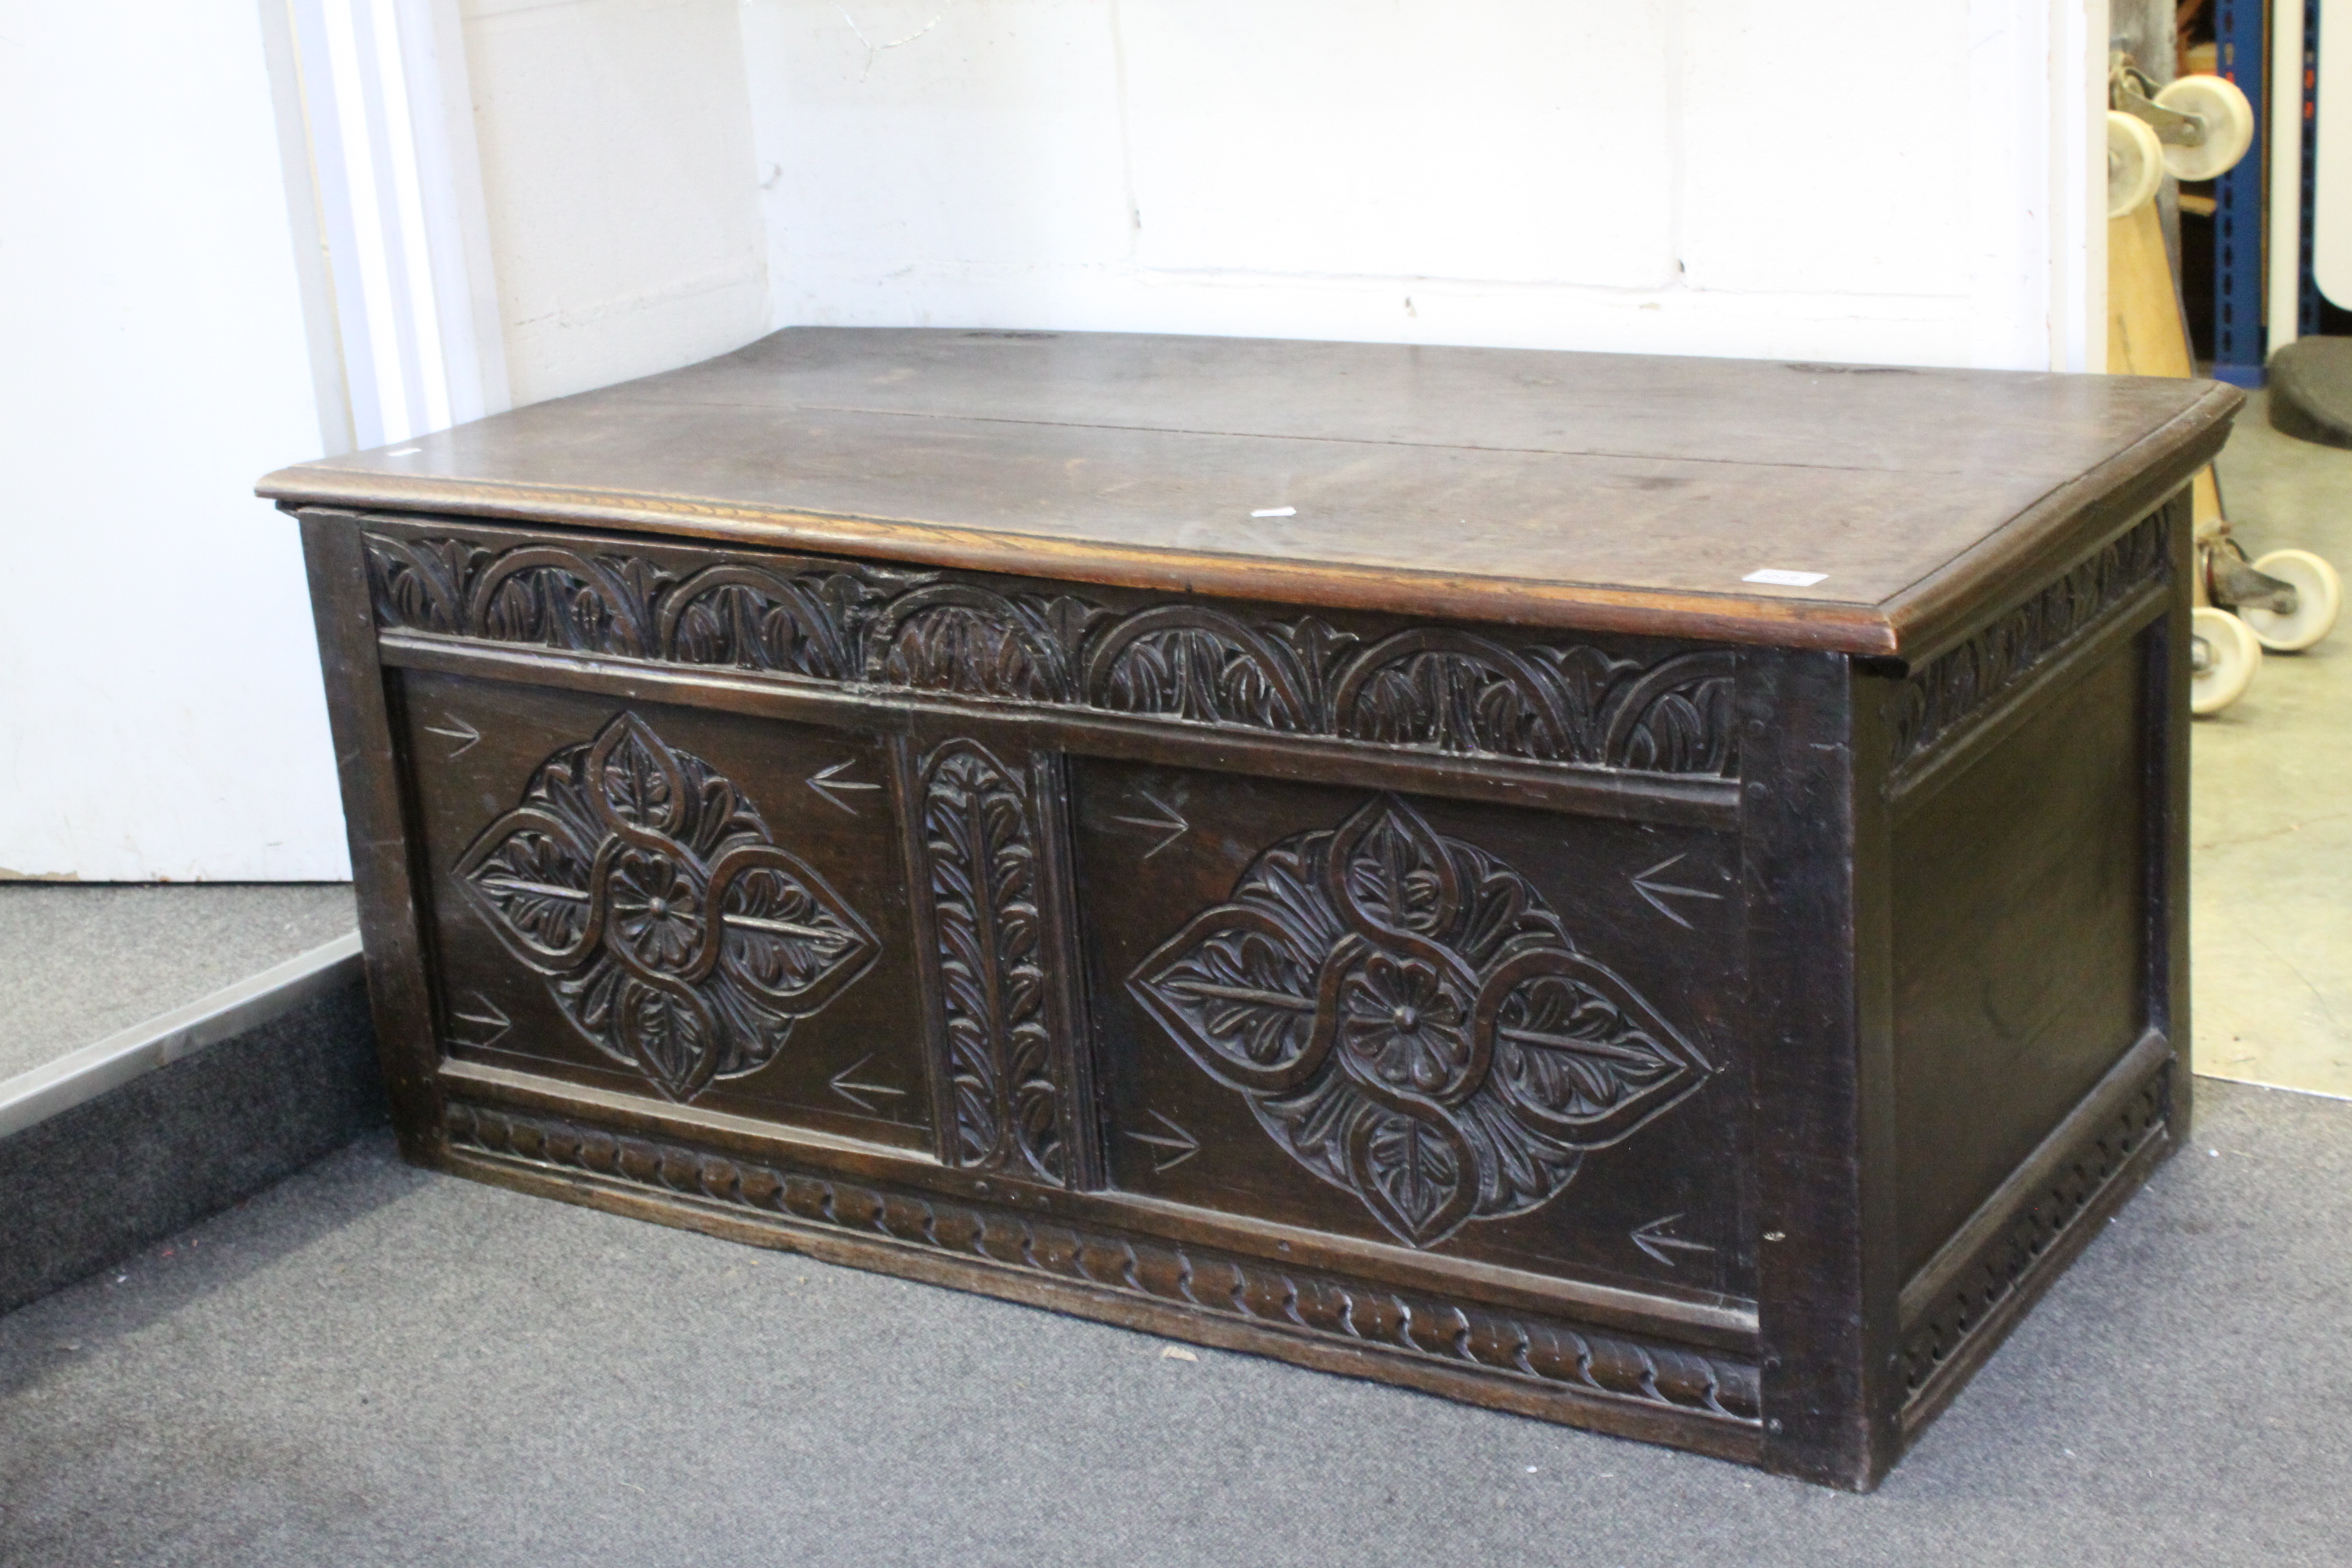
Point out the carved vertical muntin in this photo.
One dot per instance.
(989, 859)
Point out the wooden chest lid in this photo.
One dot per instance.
(1625, 492)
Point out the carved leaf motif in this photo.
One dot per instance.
(754, 620)
(560, 599)
(641, 781)
(1410, 1022)
(1415, 1173)
(1573, 1056)
(518, 609)
(1312, 1124)
(538, 883)
(1450, 702)
(1255, 997)
(670, 1035)
(1677, 733)
(1583, 680)
(782, 939)
(1209, 668)
(980, 847)
(669, 928)
(979, 650)
(1395, 875)
(421, 583)
(1518, 1166)
(1240, 982)
(728, 625)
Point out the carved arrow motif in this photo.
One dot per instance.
(849, 1088)
(1183, 1144)
(828, 782)
(1656, 893)
(1170, 823)
(1652, 1239)
(458, 730)
(486, 1014)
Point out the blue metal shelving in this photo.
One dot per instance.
(2238, 334)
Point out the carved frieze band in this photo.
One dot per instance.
(984, 876)
(2008, 1259)
(1942, 698)
(1444, 689)
(1468, 1337)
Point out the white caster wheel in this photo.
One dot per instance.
(2229, 125)
(2135, 164)
(2223, 656)
(2319, 599)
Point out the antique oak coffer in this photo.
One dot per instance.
(1642, 892)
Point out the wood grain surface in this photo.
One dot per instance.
(1609, 492)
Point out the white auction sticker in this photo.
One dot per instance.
(1783, 579)
(1275, 511)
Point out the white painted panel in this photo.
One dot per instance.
(2331, 184)
(1831, 180)
(616, 148)
(2283, 220)
(378, 127)
(904, 142)
(160, 709)
(1486, 139)
(1827, 147)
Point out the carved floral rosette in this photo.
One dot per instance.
(1409, 1022)
(670, 929)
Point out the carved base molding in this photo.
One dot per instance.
(2021, 1257)
(1543, 1355)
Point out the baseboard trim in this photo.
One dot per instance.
(33, 1097)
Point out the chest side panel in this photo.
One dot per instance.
(2037, 794)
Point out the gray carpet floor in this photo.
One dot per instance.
(369, 1364)
(79, 961)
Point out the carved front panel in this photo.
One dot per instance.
(1474, 1031)
(1470, 1030)
(670, 903)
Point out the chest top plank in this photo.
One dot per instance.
(1617, 492)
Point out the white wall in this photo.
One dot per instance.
(616, 147)
(160, 712)
(666, 179)
(1837, 179)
